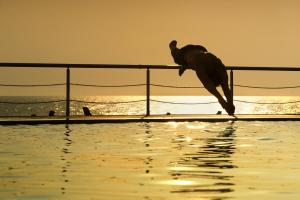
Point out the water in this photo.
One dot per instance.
(138, 108)
(151, 161)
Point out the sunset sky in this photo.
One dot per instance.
(240, 32)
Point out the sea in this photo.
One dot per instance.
(150, 161)
(136, 105)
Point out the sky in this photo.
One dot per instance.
(240, 32)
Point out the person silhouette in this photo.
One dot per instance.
(209, 69)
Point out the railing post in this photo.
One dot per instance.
(148, 92)
(231, 84)
(68, 93)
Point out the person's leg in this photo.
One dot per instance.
(225, 87)
(209, 85)
(226, 91)
(230, 106)
(202, 60)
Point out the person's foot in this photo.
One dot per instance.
(230, 109)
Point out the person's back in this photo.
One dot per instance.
(198, 60)
(211, 64)
(179, 55)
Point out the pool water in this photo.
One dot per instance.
(151, 161)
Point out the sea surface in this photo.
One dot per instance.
(151, 161)
(136, 105)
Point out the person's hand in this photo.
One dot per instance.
(181, 70)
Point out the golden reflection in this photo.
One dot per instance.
(202, 167)
(173, 124)
(196, 126)
(245, 145)
(183, 138)
(177, 182)
(182, 168)
(189, 139)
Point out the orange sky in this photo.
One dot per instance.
(240, 32)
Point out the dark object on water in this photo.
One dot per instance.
(51, 113)
(86, 111)
(219, 112)
(33, 115)
(168, 113)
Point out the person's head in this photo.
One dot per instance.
(173, 44)
(176, 53)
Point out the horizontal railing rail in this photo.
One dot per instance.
(147, 83)
(134, 66)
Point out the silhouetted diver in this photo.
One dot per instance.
(209, 69)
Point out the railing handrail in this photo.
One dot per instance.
(132, 66)
(138, 66)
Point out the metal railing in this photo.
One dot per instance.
(148, 84)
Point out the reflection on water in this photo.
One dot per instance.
(147, 138)
(208, 161)
(153, 161)
(66, 149)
